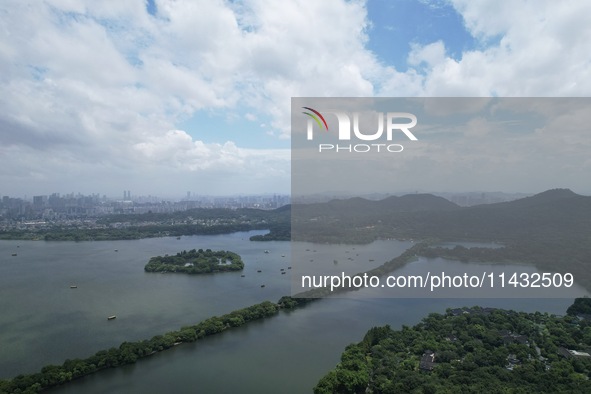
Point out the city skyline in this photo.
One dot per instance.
(163, 96)
(128, 195)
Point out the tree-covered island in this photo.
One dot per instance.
(196, 262)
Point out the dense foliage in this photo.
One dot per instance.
(130, 352)
(475, 350)
(196, 262)
(277, 232)
(581, 307)
(200, 221)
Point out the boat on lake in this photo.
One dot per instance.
(111, 317)
(14, 254)
(73, 287)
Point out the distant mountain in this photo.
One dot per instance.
(416, 203)
(551, 230)
(556, 213)
(550, 215)
(358, 207)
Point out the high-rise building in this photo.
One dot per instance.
(39, 201)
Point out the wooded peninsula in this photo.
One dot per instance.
(471, 350)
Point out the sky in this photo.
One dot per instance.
(486, 143)
(164, 97)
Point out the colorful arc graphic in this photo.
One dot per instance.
(316, 117)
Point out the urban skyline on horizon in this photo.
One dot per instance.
(127, 195)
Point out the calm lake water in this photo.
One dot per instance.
(44, 321)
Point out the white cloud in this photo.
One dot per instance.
(542, 51)
(430, 54)
(104, 84)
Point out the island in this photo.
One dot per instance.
(196, 262)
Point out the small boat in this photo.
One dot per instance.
(282, 255)
(288, 268)
(259, 271)
(242, 276)
(14, 254)
(262, 285)
(116, 250)
(178, 237)
(73, 287)
(266, 251)
(283, 273)
(282, 269)
(111, 317)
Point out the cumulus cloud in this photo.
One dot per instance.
(541, 51)
(430, 54)
(102, 87)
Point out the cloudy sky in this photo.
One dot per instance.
(165, 97)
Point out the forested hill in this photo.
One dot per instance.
(469, 350)
(552, 215)
(358, 208)
(551, 230)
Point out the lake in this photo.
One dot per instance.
(45, 321)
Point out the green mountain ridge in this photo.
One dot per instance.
(553, 214)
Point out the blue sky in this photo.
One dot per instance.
(162, 96)
(397, 25)
(394, 27)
